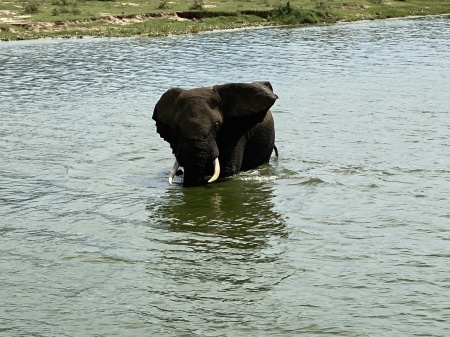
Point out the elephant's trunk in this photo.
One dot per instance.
(215, 176)
(199, 160)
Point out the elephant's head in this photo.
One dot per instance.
(194, 121)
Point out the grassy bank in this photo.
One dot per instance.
(31, 19)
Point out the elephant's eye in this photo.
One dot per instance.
(216, 126)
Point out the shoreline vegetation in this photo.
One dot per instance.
(34, 19)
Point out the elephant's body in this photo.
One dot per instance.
(228, 124)
(243, 146)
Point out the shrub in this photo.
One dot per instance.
(292, 16)
(163, 5)
(66, 10)
(325, 4)
(285, 9)
(197, 5)
(31, 6)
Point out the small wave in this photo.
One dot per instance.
(258, 178)
(348, 170)
(312, 181)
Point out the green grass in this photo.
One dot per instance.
(31, 19)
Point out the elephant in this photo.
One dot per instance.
(217, 131)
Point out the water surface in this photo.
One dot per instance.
(346, 234)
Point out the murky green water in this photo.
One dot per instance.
(346, 234)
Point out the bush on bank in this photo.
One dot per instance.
(287, 14)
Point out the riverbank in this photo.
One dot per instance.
(33, 19)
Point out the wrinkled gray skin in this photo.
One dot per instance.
(231, 122)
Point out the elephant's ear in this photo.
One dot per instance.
(164, 115)
(244, 99)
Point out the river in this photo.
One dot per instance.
(345, 234)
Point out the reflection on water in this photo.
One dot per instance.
(238, 211)
(220, 255)
(346, 234)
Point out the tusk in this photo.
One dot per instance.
(173, 171)
(216, 171)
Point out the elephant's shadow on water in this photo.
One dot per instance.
(239, 210)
